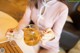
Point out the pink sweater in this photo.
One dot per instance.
(54, 16)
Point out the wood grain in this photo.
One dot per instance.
(9, 48)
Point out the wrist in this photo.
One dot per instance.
(16, 28)
(48, 35)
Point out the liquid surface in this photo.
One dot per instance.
(32, 36)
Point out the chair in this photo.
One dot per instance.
(70, 34)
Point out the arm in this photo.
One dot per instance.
(57, 29)
(59, 24)
(25, 20)
(17, 31)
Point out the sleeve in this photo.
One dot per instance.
(59, 24)
(26, 19)
(57, 29)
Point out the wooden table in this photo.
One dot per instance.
(6, 22)
(9, 48)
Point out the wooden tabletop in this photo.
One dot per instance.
(11, 47)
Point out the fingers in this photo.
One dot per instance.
(48, 35)
(9, 31)
(49, 31)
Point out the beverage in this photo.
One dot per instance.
(32, 35)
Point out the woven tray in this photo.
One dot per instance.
(11, 47)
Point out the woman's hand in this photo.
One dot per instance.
(11, 31)
(48, 35)
(14, 33)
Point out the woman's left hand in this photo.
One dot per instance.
(48, 35)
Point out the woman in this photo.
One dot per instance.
(50, 14)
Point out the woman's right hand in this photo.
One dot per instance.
(14, 33)
(11, 31)
(9, 34)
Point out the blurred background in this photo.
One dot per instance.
(70, 37)
(15, 8)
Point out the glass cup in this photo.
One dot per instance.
(32, 35)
